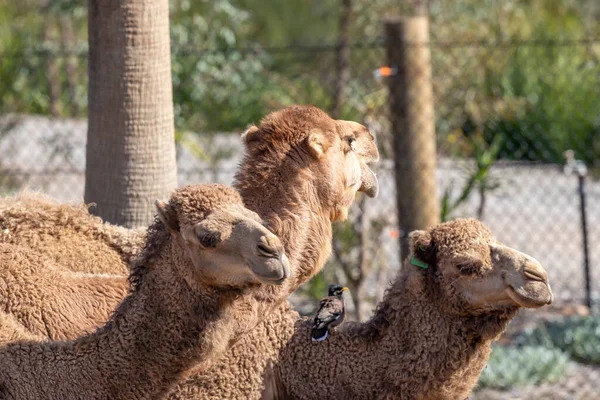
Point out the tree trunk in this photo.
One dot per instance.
(131, 142)
(413, 125)
(342, 60)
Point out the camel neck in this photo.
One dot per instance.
(171, 324)
(452, 349)
(292, 211)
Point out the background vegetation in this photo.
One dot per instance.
(514, 80)
(235, 60)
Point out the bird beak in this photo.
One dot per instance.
(344, 288)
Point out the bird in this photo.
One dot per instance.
(330, 314)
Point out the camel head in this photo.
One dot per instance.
(473, 273)
(332, 156)
(227, 244)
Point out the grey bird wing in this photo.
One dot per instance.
(331, 309)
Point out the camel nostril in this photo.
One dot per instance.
(267, 251)
(535, 274)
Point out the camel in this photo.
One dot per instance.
(37, 221)
(300, 173)
(192, 287)
(430, 337)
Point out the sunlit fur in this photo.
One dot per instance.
(296, 176)
(171, 321)
(298, 192)
(39, 222)
(430, 337)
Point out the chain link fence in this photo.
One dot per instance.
(505, 113)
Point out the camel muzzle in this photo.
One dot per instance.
(369, 183)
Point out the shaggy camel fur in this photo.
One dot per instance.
(37, 221)
(174, 318)
(11, 330)
(429, 339)
(299, 162)
(54, 303)
(301, 172)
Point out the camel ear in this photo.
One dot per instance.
(250, 134)
(167, 215)
(420, 245)
(318, 143)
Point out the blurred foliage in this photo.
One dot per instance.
(317, 287)
(216, 86)
(29, 42)
(235, 60)
(9, 183)
(560, 105)
(540, 93)
(510, 367)
(479, 178)
(577, 336)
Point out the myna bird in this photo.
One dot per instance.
(330, 314)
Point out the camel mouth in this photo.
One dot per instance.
(270, 280)
(278, 270)
(533, 295)
(369, 184)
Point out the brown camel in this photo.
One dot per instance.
(53, 303)
(430, 337)
(192, 293)
(300, 173)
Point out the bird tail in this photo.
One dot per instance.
(319, 335)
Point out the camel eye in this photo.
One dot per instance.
(467, 269)
(350, 140)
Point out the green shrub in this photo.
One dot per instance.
(522, 366)
(577, 336)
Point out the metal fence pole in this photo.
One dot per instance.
(578, 167)
(413, 124)
(584, 233)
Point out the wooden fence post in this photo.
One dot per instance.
(413, 124)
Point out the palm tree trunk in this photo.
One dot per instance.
(131, 143)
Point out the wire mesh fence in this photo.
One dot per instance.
(504, 115)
